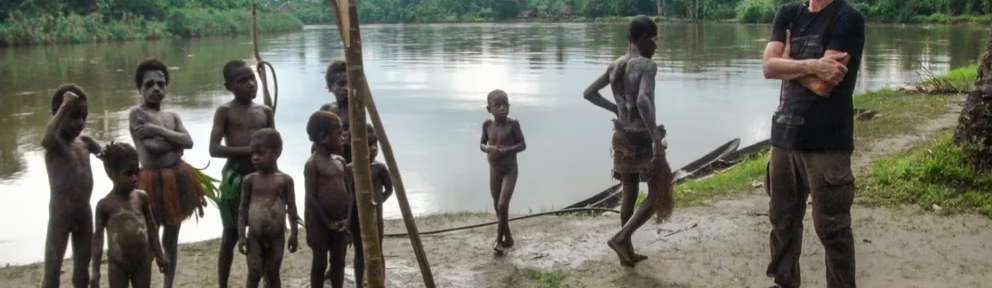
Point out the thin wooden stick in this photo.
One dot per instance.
(394, 171)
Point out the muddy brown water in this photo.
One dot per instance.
(430, 82)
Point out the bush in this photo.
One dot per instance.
(756, 11)
(194, 22)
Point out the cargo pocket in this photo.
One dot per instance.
(836, 194)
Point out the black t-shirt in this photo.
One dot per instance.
(803, 120)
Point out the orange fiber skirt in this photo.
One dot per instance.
(174, 192)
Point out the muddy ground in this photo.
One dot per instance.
(720, 244)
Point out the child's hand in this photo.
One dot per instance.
(243, 246)
(148, 130)
(162, 264)
(70, 99)
(341, 226)
(293, 244)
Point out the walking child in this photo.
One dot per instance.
(328, 203)
(160, 139)
(126, 214)
(267, 198)
(235, 122)
(502, 139)
(71, 180)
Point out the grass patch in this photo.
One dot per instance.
(543, 279)
(962, 79)
(935, 174)
(900, 113)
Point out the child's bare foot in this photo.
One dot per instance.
(625, 259)
(497, 248)
(639, 258)
(507, 241)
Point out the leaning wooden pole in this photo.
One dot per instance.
(394, 171)
(375, 275)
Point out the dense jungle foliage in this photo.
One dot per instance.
(70, 21)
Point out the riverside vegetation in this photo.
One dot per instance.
(28, 22)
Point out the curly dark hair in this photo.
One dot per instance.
(230, 68)
(334, 70)
(60, 95)
(118, 156)
(267, 138)
(150, 64)
(641, 26)
(322, 122)
(495, 93)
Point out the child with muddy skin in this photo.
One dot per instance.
(71, 180)
(502, 139)
(235, 122)
(160, 138)
(328, 200)
(126, 214)
(267, 198)
(638, 145)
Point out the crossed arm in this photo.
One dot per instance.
(156, 138)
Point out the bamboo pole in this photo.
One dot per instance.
(374, 269)
(394, 171)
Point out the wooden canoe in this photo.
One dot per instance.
(611, 196)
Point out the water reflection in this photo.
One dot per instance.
(430, 83)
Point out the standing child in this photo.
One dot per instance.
(266, 195)
(71, 180)
(234, 122)
(502, 139)
(160, 139)
(328, 200)
(126, 213)
(380, 181)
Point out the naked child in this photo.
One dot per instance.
(160, 139)
(67, 160)
(502, 140)
(126, 215)
(328, 200)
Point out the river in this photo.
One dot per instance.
(430, 83)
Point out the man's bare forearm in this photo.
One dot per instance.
(597, 99)
(786, 69)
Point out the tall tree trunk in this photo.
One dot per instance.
(974, 131)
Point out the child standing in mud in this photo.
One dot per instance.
(71, 180)
(502, 139)
(160, 139)
(328, 200)
(127, 216)
(235, 122)
(267, 197)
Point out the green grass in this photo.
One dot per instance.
(738, 178)
(934, 174)
(961, 78)
(543, 279)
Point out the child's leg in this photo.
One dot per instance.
(381, 236)
(503, 207)
(229, 240)
(273, 259)
(170, 238)
(495, 189)
(82, 239)
(339, 249)
(629, 183)
(142, 276)
(317, 266)
(117, 276)
(55, 244)
(255, 261)
(356, 241)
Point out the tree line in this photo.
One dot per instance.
(60, 21)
